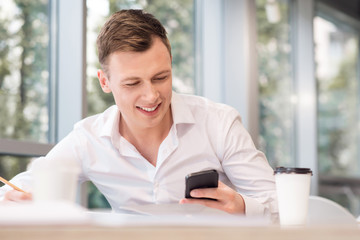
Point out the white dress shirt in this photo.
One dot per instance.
(204, 135)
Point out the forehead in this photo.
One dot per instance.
(156, 58)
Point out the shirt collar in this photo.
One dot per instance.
(180, 111)
(110, 122)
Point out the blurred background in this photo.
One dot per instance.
(290, 67)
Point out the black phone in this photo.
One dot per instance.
(202, 179)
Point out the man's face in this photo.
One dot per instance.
(141, 83)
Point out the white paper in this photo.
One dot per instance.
(45, 213)
(173, 215)
(66, 213)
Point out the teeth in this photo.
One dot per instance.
(148, 109)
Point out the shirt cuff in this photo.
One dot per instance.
(253, 207)
(3, 190)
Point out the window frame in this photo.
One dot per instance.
(71, 57)
(305, 87)
(219, 80)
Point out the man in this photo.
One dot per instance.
(139, 151)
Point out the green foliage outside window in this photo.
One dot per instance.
(337, 51)
(24, 74)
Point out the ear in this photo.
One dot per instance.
(104, 81)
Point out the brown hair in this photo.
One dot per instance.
(129, 31)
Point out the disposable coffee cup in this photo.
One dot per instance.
(54, 180)
(293, 189)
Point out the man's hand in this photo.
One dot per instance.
(17, 196)
(227, 199)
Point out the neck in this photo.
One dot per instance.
(154, 134)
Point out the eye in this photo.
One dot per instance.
(161, 78)
(132, 84)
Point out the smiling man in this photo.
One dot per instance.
(142, 94)
(140, 150)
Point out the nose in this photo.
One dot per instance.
(151, 93)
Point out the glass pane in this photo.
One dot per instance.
(336, 55)
(12, 165)
(24, 74)
(344, 191)
(276, 96)
(179, 22)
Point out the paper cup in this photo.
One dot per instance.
(293, 189)
(54, 180)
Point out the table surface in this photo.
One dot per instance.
(69, 222)
(89, 232)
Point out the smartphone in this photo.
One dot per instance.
(202, 179)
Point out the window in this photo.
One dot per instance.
(276, 98)
(178, 19)
(24, 70)
(336, 54)
(24, 83)
(319, 108)
(337, 76)
(12, 165)
(283, 55)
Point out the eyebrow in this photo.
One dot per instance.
(138, 78)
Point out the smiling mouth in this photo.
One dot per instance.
(149, 109)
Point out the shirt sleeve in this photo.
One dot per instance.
(65, 149)
(248, 169)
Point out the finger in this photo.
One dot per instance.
(205, 193)
(221, 184)
(227, 199)
(221, 192)
(17, 196)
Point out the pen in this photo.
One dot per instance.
(11, 185)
